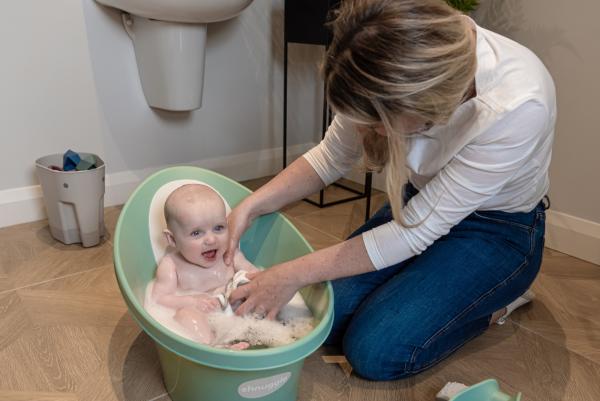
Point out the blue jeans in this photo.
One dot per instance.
(401, 320)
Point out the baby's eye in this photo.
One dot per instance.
(219, 228)
(196, 233)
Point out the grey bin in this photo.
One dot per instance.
(74, 200)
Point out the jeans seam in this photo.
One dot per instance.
(443, 355)
(444, 329)
(512, 223)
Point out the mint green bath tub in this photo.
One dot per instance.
(194, 372)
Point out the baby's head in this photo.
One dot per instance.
(197, 224)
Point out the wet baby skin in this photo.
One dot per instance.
(192, 273)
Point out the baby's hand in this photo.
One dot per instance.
(207, 303)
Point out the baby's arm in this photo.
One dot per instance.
(241, 263)
(165, 286)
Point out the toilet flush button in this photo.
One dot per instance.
(261, 387)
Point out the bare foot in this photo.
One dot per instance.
(239, 346)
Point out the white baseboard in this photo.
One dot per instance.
(26, 204)
(565, 233)
(574, 236)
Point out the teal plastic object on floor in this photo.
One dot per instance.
(487, 390)
(195, 372)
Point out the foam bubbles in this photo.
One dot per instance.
(294, 322)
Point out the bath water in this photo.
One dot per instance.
(294, 321)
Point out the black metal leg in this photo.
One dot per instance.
(368, 183)
(327, 117)
(324, 126)
(285, 72)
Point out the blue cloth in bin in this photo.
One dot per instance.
(70, 160)
(74, 161)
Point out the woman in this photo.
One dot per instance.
(471, 116)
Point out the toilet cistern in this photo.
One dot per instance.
(169, 39)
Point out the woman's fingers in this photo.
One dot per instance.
(250, 302)
(237, 223)
(266, 293)
(234, 238)
(228, 255)
(251, 275)
(272, 315)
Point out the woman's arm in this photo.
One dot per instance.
(295, 182)
(474, 176)
(332, 158)
(269, 290)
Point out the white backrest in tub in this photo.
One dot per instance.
(156, 216)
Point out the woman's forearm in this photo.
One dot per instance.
(270, 290)
(345, 259)
(295, 182)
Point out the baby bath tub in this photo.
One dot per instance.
(194, 372)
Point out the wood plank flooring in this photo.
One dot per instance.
(65, 334)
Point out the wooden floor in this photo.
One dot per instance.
(65, 333)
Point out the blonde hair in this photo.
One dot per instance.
(397, 57)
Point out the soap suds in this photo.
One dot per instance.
(294, 322)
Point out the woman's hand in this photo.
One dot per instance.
(266, 293)
(238, 222)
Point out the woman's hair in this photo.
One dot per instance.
(392, 58)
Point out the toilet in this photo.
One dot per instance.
(169, 38)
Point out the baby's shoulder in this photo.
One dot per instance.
(169, 261)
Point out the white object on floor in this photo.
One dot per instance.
(449, 391)
(517, 303)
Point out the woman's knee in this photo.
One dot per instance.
(373, 359)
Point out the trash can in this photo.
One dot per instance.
(74, 200)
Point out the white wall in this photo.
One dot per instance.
(68, 79)
(565, 35)
(48, 98)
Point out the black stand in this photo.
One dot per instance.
(304, 22)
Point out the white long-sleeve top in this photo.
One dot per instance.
(493, 154)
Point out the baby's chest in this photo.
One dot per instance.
(198, 279)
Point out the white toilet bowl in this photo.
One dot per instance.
(170, 59)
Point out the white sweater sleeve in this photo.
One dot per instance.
(474, 175)
(337, 153)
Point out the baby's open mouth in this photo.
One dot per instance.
(210, 254)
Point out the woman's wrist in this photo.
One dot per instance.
(292, 274)
(258, 204)
(250, 207)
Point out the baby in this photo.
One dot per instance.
(197, 236)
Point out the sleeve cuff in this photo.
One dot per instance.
(374, 254)
(386, 246)
(314, 158)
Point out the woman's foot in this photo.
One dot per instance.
(499, 317)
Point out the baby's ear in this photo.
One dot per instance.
(170, 238)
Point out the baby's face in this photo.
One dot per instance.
(200, 232)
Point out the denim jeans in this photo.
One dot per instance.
(401, 320)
